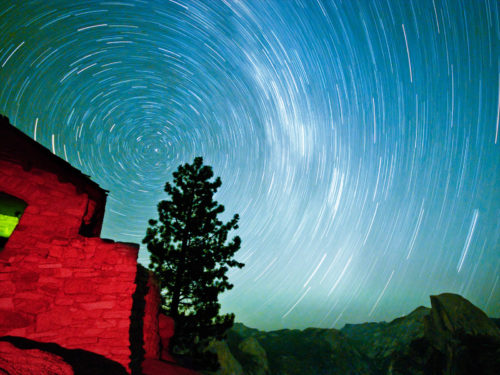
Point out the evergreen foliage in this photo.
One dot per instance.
(190, 255)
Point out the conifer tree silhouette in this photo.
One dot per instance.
(190, 255)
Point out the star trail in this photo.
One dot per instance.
(358, 140)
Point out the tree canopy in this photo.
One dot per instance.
(190, 255)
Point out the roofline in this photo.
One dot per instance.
(5, 125)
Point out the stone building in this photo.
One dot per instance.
(59, 281)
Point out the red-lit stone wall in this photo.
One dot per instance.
(166, 327)
(58, 286)
(150, 328)
(61, 283)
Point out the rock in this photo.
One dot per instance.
(454, 337)
(256, 357)
(166, 331)
(15, 361)
(243, 331)
(465, 339)
(459, 339)
(383, 342)
(228, 364)
(311, 351)
(453, 315)
(21, 356)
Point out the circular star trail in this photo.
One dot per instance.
(358, 140)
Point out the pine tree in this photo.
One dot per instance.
(190, 256)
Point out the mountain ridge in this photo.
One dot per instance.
(451, 337)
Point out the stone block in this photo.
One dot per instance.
(23, 287)
(80, 242)
(7, 303)
(16, 258)
(113, 287)
(74, 212)
(125, 303)
(77, 287)
(31, 306)
(85, 274)
(77, 341)
(51, 289)
(56, 251)
(106, 323)
(44, 322)
(33, 258)
(53, 319)
(21, 332)
(119, 337)
(126, 268)
(8, 289)
(25, 277)
(107, 267)
(64, 272)
(116, 314)
(71, 252)
(48, 279)
(64, 301)
(87, 298)
(92, 315)
(5, 267)
(101, 305)
(44, 336)
(94, 332)
(60, 241)
(28, 295)
(42, 245)
(10, 320)
(50, 265)
(48, 272)
(50, 214)
(123, 323)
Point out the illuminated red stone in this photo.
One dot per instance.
(60, 282)
(166, 326)
(16, 361)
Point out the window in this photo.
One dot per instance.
(11, 210)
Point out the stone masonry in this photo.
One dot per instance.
(60, 282)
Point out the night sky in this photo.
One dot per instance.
(358, 140)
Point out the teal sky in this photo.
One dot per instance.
(358, 140)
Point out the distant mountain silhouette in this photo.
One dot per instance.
(454, 337)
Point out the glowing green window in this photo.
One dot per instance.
(11, 210)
